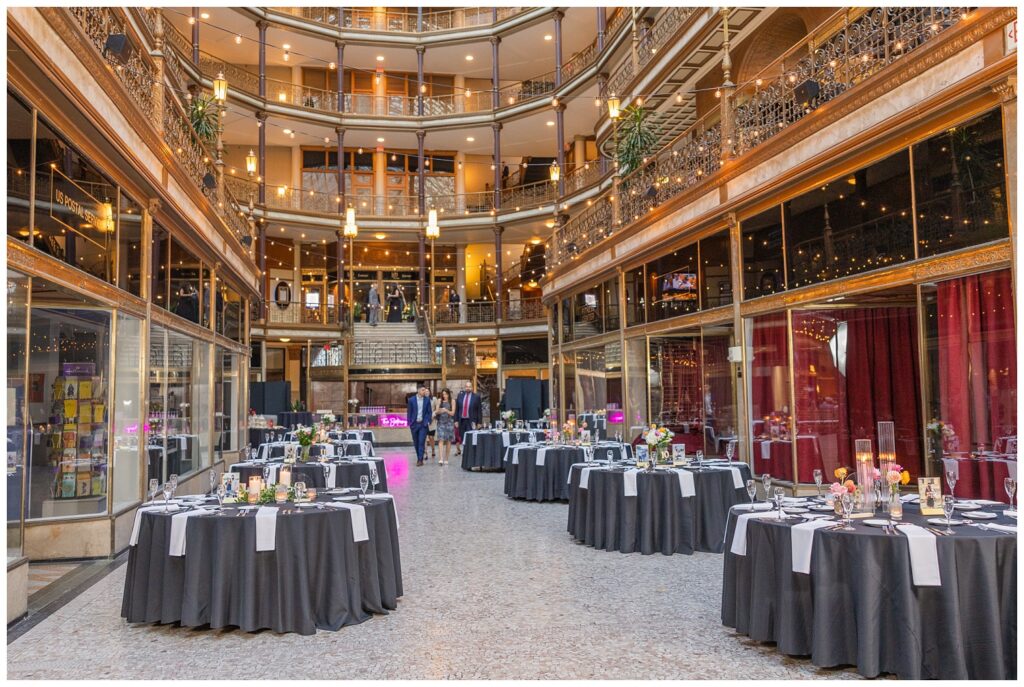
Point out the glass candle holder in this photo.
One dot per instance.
(280, 493)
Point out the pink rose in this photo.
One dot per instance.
(892, 477)
(837, 489)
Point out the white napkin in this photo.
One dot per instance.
(910, 498)
(984, 502)
(515, 455)
(266, 528)
(585, 477)
(138, 521)
(504, 439)
(802, 537)
(629, 482)
(1002, 528)
(367, 448)
(359, 531)
(739, 536)
(568, 479)
(737, 477)
(178, 525)
(474, 438)
(924, 557)
(686, 483)
(387, 497)
(540, 456)
(766, 450)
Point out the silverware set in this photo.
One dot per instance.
(937, 532)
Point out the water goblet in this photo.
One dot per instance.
(847, 502)
(779, 494)
(174, 483)
(364, 483)
(168, 490)
(817, 480)
(254, 453)
(374, 478)
(700, 457)
(154, 489)
(1010, 485)
(220, 493)
(951, 477)
(766, 482)
(751, 492)
(948, 505)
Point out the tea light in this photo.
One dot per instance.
(255, 486)
(281, 493)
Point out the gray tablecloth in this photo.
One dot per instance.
(262, 435)
(488, 449)
(524, 479)
(346, 473)
(658, 518)
(318, 577)
(860, 607)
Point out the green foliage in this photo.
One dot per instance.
(637, 138)
(202, 114)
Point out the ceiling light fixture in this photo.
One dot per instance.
(548, 36)
(469, 58)
(204, 15)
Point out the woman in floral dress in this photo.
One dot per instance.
(445, 433)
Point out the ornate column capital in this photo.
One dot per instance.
(1006, 89)
(495, 40)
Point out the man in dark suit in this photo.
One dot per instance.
(467, 411)
(417, 414)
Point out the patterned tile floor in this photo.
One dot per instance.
(494, 588)
(42, 575)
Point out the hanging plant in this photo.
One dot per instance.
(636, 138)
(202, 114)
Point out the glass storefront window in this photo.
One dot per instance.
(229, 311)
(127, 477)
(960, 186)
(767, 374)
(159, 292)
(186, 288)
(611, 305)
(75, 206)
(19, 167)
(569, 388)
(719, 385)
(636, 386)
(179, 404)
(972, 367)
(676, 387)
(587, 313)
(853, 368)
(227, 400)
(715, 273)
(672, 283)
(856, 223)
(635, 300)
(761, 248)
(524, 352)
(69, 354)
(19, 391)
(566, 319)
(130, 249)
(555, 395)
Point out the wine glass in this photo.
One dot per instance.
(213, 480)
(700, 457)
(729, 449)
(951, 481)
(254, 453)
(779, 494)
(1010, 485)
(847, 501)
(766, 482)
(300, 491)
(364, 483)
(168, 490)
(878, 494)
(817, 480)
(948, 504)
(374, 478)
(220, 493)
(751, 492)
(174, 483)
(154, 489)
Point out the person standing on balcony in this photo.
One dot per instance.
(373, 305)
(396, 304)
(467, 411)
(453, 304)
(418, 416)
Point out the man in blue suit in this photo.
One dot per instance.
(417, 414)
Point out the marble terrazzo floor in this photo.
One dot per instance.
(494, 588)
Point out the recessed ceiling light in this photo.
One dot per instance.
(380, 58)
(380, 139)
(381, 236)
(551, 123)
(286, 46)
(204, 15)
(238, 40)
(470, 139)
(469, 58)
(287, 131)
(547, 36)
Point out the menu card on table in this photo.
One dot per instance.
(929, 490)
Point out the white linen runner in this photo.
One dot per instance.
(739, 535)
(266, 528)
(585, 477)
(179, 524)
(332, 471)
(540, 456)
(568, 480)
(737, 476)
(924, 556)
(359, 531)
(505, 439)
(629, 482)
(272, 474)
(802, 539)
(686, 488)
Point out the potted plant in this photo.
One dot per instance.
(202, 114)
(637, 138)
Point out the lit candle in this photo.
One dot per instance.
(285, 477)
(311, 494)
(254, 486)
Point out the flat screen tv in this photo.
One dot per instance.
(679, 286)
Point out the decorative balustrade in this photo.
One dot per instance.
(400, 21)
(843, 51)
(582, 176)
(665, 26)
(527, 195)
(299, 313)
(485, 312)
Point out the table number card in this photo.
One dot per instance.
(641, 455)
(930, 491)
(678, 454)
(231, 481)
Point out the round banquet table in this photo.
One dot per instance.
(353, 447)
(981, 478)
(527, 479)
(293, 419)
(262, 435)
(485, 449)
(859, 605)
(658, 518)
(276, 450)
(317, 577)
(346, 472)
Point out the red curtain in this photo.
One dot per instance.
(977, 358)
(770, 356)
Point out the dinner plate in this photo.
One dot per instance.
(960, 505)
(795, 510)
(878, 523)
(942, 521)
(756, 506)
(980, 516)
(822, 508)
(345, 498)
(1010, 513)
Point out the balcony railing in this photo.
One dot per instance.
(138, 76)
(485, 312)
(299, 313)
(402, 21)
(665, 26)
(842, 52)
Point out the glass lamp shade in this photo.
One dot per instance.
(250, 163)
(220, 88)
(613, 107)
(556, 172)
(433, 231)
(350, 230)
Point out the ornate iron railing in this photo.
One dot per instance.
(664, 27)
(402, 21)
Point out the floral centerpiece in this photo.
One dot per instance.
(304, 435)
(267, 494)
(659, 441)
(567, 429)
(508, 417)
(328, 419)
(896, 477)
(353, 405)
